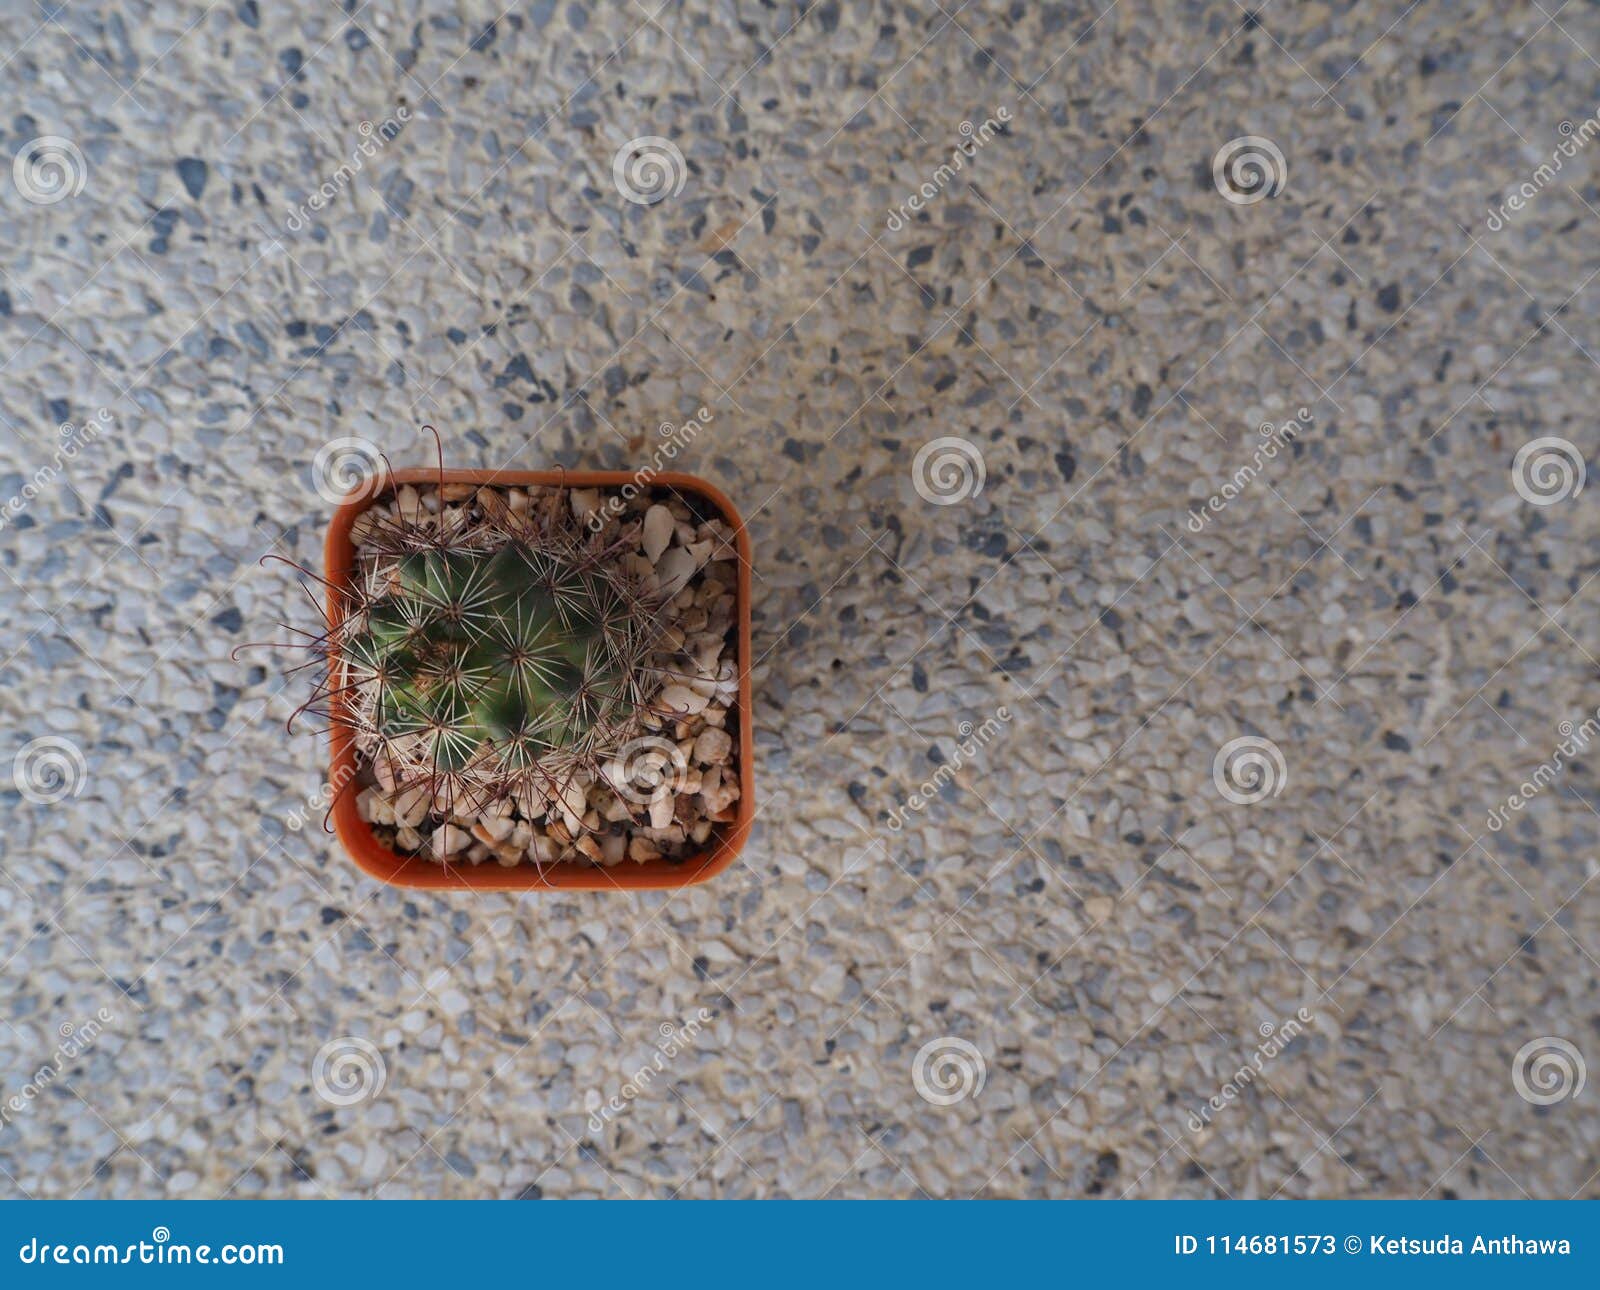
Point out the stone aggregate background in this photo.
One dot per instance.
(1099, 323)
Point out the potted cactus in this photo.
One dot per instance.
(538, 679)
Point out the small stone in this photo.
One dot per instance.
(719, 793)
(448, 840)
(193, 172)
(657, 531)
(411, 805)
(674, 570)
(569, 799)
(491, 832)
(375, 807)
(681, 699)
(712, 747)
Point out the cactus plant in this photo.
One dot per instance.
(500, 658)
(493, 667)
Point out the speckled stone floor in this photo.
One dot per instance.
(1005, 316)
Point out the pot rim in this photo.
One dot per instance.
(391, 867)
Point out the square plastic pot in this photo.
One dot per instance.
(390, 866)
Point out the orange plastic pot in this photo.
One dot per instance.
(390, 866)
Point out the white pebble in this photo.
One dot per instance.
(657, 531)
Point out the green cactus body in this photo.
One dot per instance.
(495, 661)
